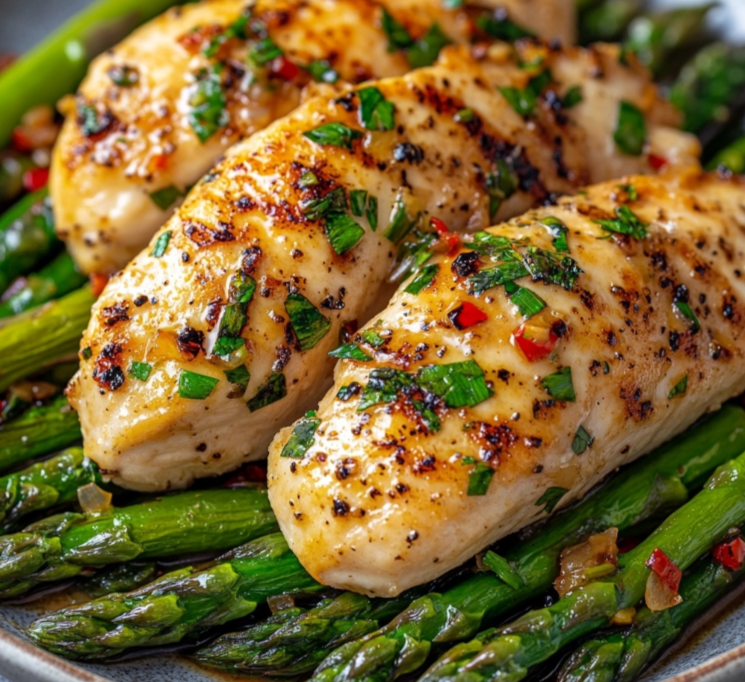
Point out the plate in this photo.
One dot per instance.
(713, 652)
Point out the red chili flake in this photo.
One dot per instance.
(108, 373)
(21, 141)
(730, 554)
(535, 340)
(98, 282)
(190, 341)
(198, 36)
(665, 569)
(35, 178)
(284, 68)
(466, 315)
(657, 161)
(452, 240)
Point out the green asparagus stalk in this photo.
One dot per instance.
(121, 578)
(63, 546)
(514, 649)
(12, 407)
(39, 431)
(621, 656)
(31, 341)
(608, 21)
(660, 481)
(709, 86)
(731, 157)
(56, 66)
(27, 236)
(179, 604)
(55, 279)
(296, 640)
(44, 485)
(12, 168)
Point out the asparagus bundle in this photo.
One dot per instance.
(31, 341)
(38, 431)
(179, 604)
(661, 480)
(514, 649)
(63, 546)
(44, 485)
(621, 657)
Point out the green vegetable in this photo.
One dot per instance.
(401, 224)
(333, 134)
(582, 440)
(420, 53)
(503, 569)
(239, 377)
(551, 498)
(208, 105)
(679, 388)
(459, 384)
(264, 51)
(343, 232)
(687, 312)
(193, 386)
(140, 370)
(558, 231)
(303, 435)
(559, 385)
(307, 322)
(630, 135)
(161, 244)
(527, 302)
(498, 25)
(376, 112)
(272, 390)
(525, 101)
(731, 157)
(350, 351)
(625, 222)
(322, 72)
(166, 197)
(423, 279)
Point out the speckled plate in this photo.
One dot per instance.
(713, 652)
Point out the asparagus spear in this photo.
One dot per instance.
(56, 66)
(661, 480)
(63, 546)
(515, 648)
(12, 167)
(179, 604)
(38, 431)
(608, 21)
(621, 656)
(121, 578)
(731, 157)
(44, 485)
(55, 279)
(708, 87)
(26, 236)
(33, 340)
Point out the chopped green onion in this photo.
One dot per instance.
(679, 388)
(309, 325)
(208, 105)
(631, 130)
(465, 116)
(688, 313)
(140, 370)
(309, 179)
(227, 345)
(358, 201)
(273, 389)
(425, 51)
(350, 351)
(239, 377)
(236, 30)
(459, 384)
(376, 112)
(630, 191)
(559, 385)
(503, 569)
(502, 28)
(527, 302)
(492, 277)
(558, 231)
(86, 353)
(525, 101)
(424, 278)
(372, 338)
(161, 244)
(334, 134)
(626, 222)
(551, 498)
(398, 36)
(333, 202)
(400, 224)
(479, 479)
(343, 232)
(242, 287)
(572, 97)
(582, 441)
(500, 186)
(124, 76)
(549, 267)
(193, 386)
(372, 213)
(166, 197)
(346, 393)
(321, 71)
(302, 438)
(383, 386)
(264, 51)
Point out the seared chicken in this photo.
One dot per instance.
(218, 334)
(155, 113)
(510, 377)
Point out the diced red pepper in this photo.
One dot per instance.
(535, 340)
(21, 141)
(665, 569)
(730, 554)
(35, 178)
(466, 315)
(447, 237)
(98, 282)
(284, 68)
(657, 161)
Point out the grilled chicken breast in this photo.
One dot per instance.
(518, 373)
(218, 333)
(155, 112)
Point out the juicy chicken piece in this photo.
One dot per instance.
(477, 413)
(291, 238)
(155, 113)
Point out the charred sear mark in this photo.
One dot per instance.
(636, 408)
(345, 468)
(425, 465)
(108, 373)
(203, 236)
(494, 440)
(112, 315)
(190, 341)
(466, 264)
(245, 204)
(729, 309)
(94, 121)
(411, 153)
(528, 176)
(251, 258)
(331, 303)
(340, 508)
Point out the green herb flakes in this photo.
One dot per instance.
(687, 312)
(308, 179)
(558, 231)
(346, 393)
(679, 389)
(559, 385)
(273, 389)
(425, 51)
(383, 386)
(500, 186)
(140, 370)
(626, 222)
(372, 213)
(503, 569)
(236, 30)
(193, 386)
(161, 244)
(124, 76)
(398, 36)
(479, 479)
(358, 201)
(208, 105)
(321, 71)
(86, 353)
(334, 134)
(527, 302)
(630, 191)
(631, 130)
(401, 224)
(582, 441)
(500, 27)
(491, 277)
(465, 116)
(423, 279)
(334, 201)
(551, 268)
(343, 232)
(166, 197)
(372, 338)
(242, 287)
(572, 97)
(551, 498)
(309, 325)
(239, 377)
(350, 351)
(90, 121)
(264, 51)
(302, 437)
(376, 112)
(459, 384)
(525, 101)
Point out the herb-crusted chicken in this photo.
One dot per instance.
(508, 378)
(218, 334)
(155, 112)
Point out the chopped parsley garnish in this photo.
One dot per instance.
(350, 351)
(422, 52)
(372, 338)
(549, 267)
(193, 386)
(321, 71)
(308, 179)
(631, 130)
(227, 345)
(479, 479)
(525, 101)
(376, 112)
(320, 207)
(424, 278)
(499, 274)
(551, 498)
(559, 385)
(166, 197)
(124, 76)
(497, 25)
(333, 134)
(233, 319)
(558, 231)
(302, 437)
(242, 287)
(465, 116)
(626, 222)
(264, 51)
(343, 232)
(234, 315)
(459, 384)
(572, 97)
(398, 36)
(630, 190)
(90, 121)
(208, 105)
(500, 186)
(273, 389)
(582, 441)
(236, 30)
(383, 386)
(527, 302)
(687, 312)
(346, 393)
(239, 377)
(140, 370)
(358, 200)
(679, 389)
(309, 325)
(161, 244)
(400, 224)
(87, 353)
(372, 213)
(503, 569)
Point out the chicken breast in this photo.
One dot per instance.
(154, 113)
(218, 334)
(509, 378)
